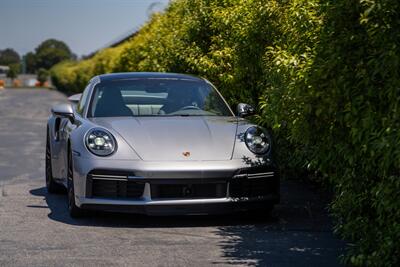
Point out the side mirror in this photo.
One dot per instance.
(64, 111)
(244, 110)
(74, 99)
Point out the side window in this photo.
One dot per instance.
(83, 101)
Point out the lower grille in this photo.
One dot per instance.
(188, 191)
(115, 184)
(116, 189)
(112, 185)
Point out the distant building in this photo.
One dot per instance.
(4, 70)
(123, 38)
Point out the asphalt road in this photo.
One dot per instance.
(35, 229)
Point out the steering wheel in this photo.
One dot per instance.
(190, 107)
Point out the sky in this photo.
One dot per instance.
(84, 25)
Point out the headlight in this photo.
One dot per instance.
(100, 142)
(257, 140)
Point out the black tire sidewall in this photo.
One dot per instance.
(52, 186)
(48, 166)
(74, 210)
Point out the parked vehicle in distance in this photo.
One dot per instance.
(158, 144)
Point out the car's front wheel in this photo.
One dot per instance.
(51, 186)
(73, 209)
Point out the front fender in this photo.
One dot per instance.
(78, 146)
(242, 152)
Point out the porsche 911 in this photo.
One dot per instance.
(158, 144)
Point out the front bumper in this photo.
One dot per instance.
(181, 207)
(166, 188)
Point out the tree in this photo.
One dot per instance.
(30, 62)
(51, 52)
(13, 71)
(42, 75)
(9, 56)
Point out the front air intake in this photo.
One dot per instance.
(113, 184)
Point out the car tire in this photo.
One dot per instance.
(51, 186)
(73, 209)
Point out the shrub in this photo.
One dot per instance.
(16, 83)
(14, 70)
(353, 91)
(42, 76)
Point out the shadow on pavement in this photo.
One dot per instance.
(298, 233)
(301, 235)
(255, 245)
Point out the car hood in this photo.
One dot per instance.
(176, 138)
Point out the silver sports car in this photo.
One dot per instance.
(158, 143)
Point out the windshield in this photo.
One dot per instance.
(156, 97)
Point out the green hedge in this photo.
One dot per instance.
(324, 76)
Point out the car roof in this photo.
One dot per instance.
(146, 75)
